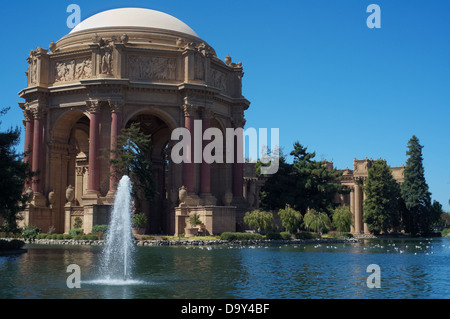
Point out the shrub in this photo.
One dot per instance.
(445, 232)
(75, 231)
(78, 222)
(41, 236)
(30, 232)
(66, 236)
(91, 237)
(77, 237)
(306, 235)
(273, 236)
(240, 236)
(60, 236)
(286, 235)
(139, 220)
(195, 220)
(99, 228)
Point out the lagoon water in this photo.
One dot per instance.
(410, 268)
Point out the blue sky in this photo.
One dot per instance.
(312, 68)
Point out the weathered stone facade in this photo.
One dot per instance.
(96, 81)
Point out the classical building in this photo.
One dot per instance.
(353, 180)
(116, 68)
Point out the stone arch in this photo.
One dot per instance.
(67, 163)
(159, 125)
(163, 115)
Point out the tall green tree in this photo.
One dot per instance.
(382, 192)
(315, 184)
(415, 192)
(132, 157)
(13, 174)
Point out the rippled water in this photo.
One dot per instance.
(412, 268)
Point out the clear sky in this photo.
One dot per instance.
(312, 68)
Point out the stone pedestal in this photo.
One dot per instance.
(217, 219)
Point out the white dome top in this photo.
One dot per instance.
(134, 17)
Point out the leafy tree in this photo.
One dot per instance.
(315, 184)
(316, 221)
(437, 214)
(13, 174)
(342, 218)
(414, 191)
(445, 219)
(277, 191)
(304, 184)
(291, 219)
(259, 220)
(382, 194)
(131, 157)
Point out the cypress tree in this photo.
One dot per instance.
(414, 191)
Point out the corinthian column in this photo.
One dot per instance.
(38, 150)
(366, 227)
(116, 128)
(189, 166)
(238, 165)
(28, 147)
(358, 208)
(94, 142)
(352, 208)
(205, 169)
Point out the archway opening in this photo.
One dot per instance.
(158, 211)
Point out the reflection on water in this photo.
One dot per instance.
(410, 268)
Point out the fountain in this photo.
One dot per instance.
(116, 263)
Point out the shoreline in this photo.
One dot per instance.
(194, 242)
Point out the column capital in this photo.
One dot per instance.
(93, 106)
(116, 106)
(37, 112)
(190, 110)
(28, 115)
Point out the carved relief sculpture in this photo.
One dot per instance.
(72, 70)
(32, 60)
(151, 68)
(218, 79)
(106, 58)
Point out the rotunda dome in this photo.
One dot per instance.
(134, 18)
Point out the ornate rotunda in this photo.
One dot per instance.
(116, 68)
